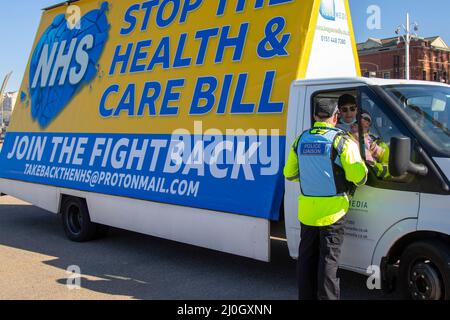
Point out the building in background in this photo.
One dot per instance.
(385, 58)
(9, 101)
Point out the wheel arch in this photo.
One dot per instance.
(393, 243)
(64, 196)
(395, 240)
(401, 244)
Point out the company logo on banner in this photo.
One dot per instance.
(64, 60)
(328, 10)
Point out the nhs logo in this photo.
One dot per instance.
(328, 10)
(64, 60)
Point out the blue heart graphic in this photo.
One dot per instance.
(49, 99)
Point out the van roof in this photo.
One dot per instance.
(367, 81)
(65, 3)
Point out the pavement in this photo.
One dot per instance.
(35, 256)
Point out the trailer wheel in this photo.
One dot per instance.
(77, 222)
(425, 271)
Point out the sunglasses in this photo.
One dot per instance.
(345, 109)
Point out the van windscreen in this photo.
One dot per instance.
(429, 107)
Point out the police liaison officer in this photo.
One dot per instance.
(329, 167)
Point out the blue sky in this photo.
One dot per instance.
(18, 24)
(433, 17)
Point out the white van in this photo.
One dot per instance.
(401, 223)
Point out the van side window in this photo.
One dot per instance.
(376, 126)
(378, 129)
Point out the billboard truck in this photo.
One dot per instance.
(173, 118)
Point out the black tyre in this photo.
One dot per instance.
(77, 222)
(425, 271)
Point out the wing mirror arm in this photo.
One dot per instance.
(400, 159)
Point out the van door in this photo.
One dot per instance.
(384, 201)
(300, 119)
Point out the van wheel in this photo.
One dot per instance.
(425, 271)
(77, 222)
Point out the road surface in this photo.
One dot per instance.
(35, 255)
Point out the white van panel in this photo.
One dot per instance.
(295, 118)
(372, 212)
(236, 234)
(45, 197)
(434, 214)
(444, 164)
(392, 235)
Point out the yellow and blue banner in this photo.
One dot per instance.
(174, 101)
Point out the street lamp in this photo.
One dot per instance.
(407, 39)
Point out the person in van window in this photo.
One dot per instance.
(347, 111)
(377, 151)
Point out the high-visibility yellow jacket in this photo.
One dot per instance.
(381, 166)
(324, 211)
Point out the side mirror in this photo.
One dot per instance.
(400, 158)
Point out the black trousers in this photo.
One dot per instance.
(318, 260)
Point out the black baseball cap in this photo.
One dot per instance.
(325, 109)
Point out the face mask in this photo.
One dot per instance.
(348, 123)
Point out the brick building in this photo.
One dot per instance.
(385, 58)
